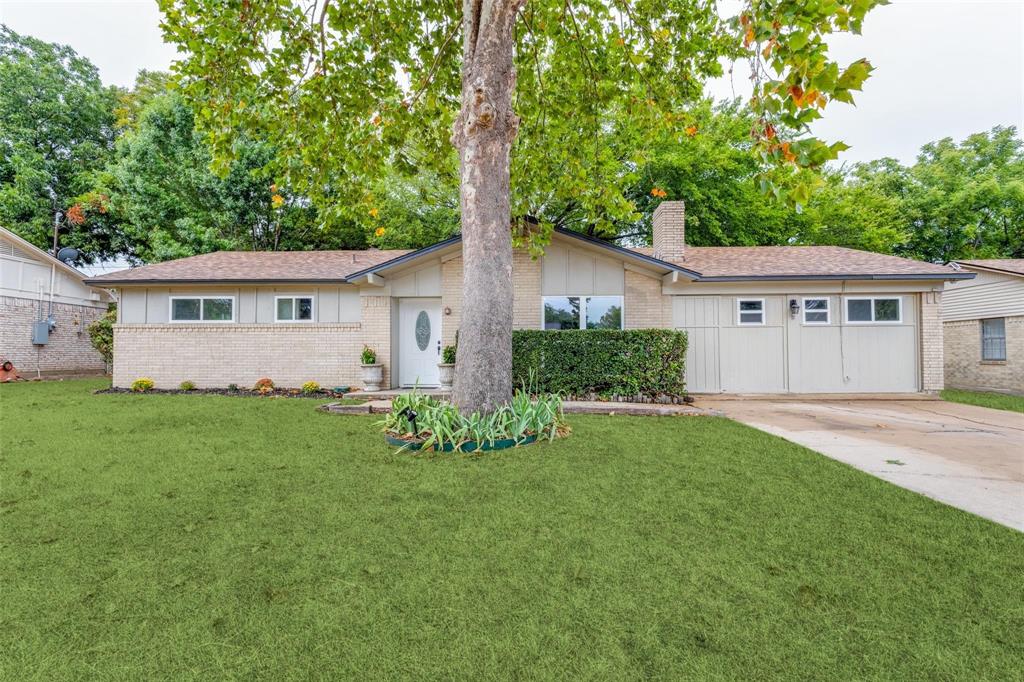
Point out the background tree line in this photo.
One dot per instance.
(130, 176)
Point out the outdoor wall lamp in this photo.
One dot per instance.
(794, 307)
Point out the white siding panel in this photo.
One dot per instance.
(157, 306)
(133, 306)
(880, 359)
(575, 272)
(327, 305)
(350, 309)
(997, 298)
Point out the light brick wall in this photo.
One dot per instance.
(376, 331)
(932, 374)
(526, 280)
(68, 350)
(963, 363)
(214, 356)
(645, 306)
(669, 234)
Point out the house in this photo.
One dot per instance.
(983, 326)
(760, 319)
(45, 310)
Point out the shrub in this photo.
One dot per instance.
(101, 334)
(448, 355)
(605, 362)
(310, 387)
(142, 385)
(368, 356)
(187, 385)
(264, 385)
(439, 423)
(233, 388)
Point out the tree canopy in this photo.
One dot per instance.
(57, 128)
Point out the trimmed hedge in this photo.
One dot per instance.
(604, 362)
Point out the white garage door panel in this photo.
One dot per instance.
(753, 360)
(815, 359)
(880, 358)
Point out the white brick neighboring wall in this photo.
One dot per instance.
(965, 368)
(376, 332)
(932, 371)
(214, 356)
(69, 348)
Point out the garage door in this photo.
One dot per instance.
(758, 344)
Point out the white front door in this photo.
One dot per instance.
(419, 341)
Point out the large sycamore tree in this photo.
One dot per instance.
(547, 101)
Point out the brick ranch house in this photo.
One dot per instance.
(983, 326)
(35, 287)
(797, 319)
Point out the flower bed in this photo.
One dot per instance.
(421, 422)
(239, 392)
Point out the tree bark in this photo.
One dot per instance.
(483, 134)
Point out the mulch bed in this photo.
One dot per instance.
(240, 393)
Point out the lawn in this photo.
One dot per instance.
(998, 401)
(204, 537)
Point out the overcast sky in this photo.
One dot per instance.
(944, 69)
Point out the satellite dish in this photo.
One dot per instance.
(68, 255)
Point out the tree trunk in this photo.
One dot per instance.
(483, 134)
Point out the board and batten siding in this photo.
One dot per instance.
(253, 304)
(988, 295)
(786, 355)
(574, 272)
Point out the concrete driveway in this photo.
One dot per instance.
(968, 457)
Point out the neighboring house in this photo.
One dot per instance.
(760, 319)
(983, 322)
(37, 288)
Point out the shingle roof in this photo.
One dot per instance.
(764, 262)
(253, 266)
(1014, 266)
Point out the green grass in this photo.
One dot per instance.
(997, 401)
(203, 537)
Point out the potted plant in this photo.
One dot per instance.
(447, 367)
(373, 371)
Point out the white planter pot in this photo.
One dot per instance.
(447, 376)
(373, 377)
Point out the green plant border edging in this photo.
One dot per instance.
(468, 446)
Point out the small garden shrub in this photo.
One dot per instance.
(187, 385)
(264, 385)
(368, 356)
(310, 387)
(142, 384)
(605, 362)
(101, 334)
(233, 388)
(448, 355)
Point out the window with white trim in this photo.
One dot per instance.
(750, 311)
(293, 308)
(874, 310)
(993, 340)
(202, 309)
(816, 311)
(582, 312)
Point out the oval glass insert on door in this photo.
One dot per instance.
(422, 330)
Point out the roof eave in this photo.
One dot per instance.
(221, 281)
(797, 278)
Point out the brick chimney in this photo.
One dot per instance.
(670, 230)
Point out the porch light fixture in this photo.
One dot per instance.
(794, 307)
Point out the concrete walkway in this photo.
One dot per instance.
(966, 456)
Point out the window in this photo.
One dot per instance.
(816, 311)
(993, 340)
(750, 311)
(203, 309)
(874, 310)
(293, 308)
(582, 312)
